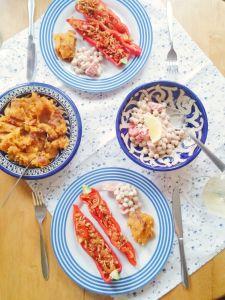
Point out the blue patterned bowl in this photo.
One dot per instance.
(178, 97)
(74, 126)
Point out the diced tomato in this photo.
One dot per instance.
(100, 211)
(95, 245)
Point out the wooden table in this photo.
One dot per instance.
(20, 271)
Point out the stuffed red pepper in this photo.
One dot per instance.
(96, 247)
(100, 211)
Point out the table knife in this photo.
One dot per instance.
(31, 49)
(177, 216)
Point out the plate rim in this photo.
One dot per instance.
(170, 225)
(103, 88)
(79, 131)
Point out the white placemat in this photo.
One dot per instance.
(204, 233)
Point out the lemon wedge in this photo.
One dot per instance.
(154, 126)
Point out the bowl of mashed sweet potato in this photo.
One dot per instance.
(40, 128)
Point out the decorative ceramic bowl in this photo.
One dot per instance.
(72, 117)
(178, 98)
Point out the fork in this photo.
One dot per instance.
(40, 213)
(172, 55)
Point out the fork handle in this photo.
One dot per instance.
(220, 165)
(169, 12)
(184, 272)
(44, 258)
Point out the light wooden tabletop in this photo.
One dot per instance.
(20, 271)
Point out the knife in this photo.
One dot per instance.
(31, 49)
(14, 187)
(179, 232)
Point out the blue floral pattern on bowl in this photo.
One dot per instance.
(178, 98)
(74, 132)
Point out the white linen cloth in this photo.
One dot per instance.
(203, 233)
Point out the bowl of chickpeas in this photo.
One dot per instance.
(146, 130)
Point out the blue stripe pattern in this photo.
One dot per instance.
(88, 84)
(71, 266)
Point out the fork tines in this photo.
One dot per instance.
(172, 67)
(38, 198)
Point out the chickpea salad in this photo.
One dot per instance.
(150, 129)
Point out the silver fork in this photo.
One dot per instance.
(40, 213)
(172, 55)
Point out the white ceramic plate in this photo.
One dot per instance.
(150, 258)
(131, 13)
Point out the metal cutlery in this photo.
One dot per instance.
(40, 213)
(13, 187)
(172, 55)
(31, 49)
(177, 216)
(178, 120)
(220, 165)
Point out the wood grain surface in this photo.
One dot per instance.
(20, 270)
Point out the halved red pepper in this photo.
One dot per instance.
(126, 42)
(104, 40)
(100, 211)
(96, 247)
(98, 10)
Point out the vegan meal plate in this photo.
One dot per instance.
(40, 127)
(146, 133)
(94, 45)
(102, 249)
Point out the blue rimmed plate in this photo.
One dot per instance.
(151, 258)
(131, 13)
(74, 130)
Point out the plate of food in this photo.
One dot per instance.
(153, 122)
(40, 130)
(112, 231)
(95, 45)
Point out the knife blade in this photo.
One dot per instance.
(177, 213)
(31, 58)
(177, 216)
(31, 49)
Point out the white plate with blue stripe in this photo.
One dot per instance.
(150, 258)
(131, 13)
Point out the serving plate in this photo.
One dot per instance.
(131, 13)
(74, 126)
(151, 258)
(178, 98)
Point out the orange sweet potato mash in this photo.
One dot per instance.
(141, 226)
(65, 45)
(32, 131)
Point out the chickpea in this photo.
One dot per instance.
(173, 142)
(164, 146)
(145, 150)
(169, 151)
(151, 154)
(155, 113)
(159, 148)
(161, 153)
